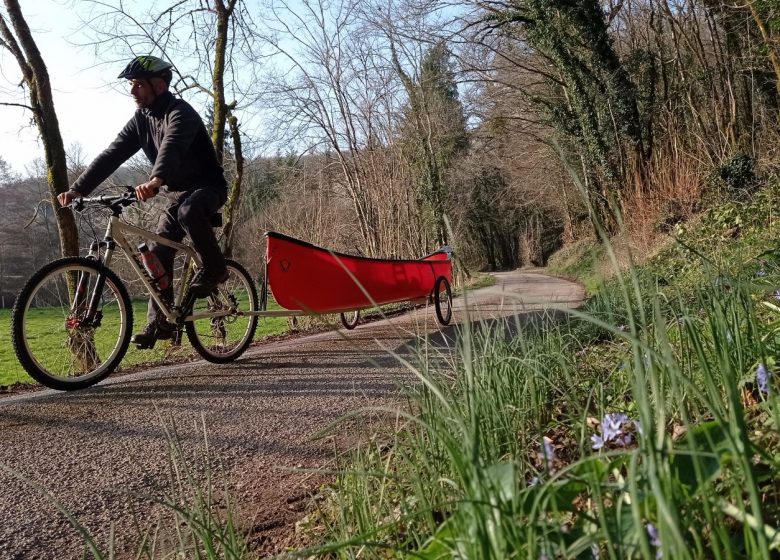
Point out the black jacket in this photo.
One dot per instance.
(173, 137)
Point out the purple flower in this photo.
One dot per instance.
(762, 379)
(655, 540)
(614, 429)
(611, 425)
(761, 273)
(548, 451)
(776, 295)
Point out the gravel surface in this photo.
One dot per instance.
(103, 453)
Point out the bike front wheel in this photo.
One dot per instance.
(71, 324)
(226, 334)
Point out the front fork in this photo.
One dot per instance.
(183, 301)
(93, 315)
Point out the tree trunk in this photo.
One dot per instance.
(231, 206)
(218, 75)
(222, 116)
(36, 78)
(768, 43)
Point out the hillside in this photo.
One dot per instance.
(646, 426)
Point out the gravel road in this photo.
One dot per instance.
(103, 452)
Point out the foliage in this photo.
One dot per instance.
(738, 176)
(592, 102)
(27, 215)
(433, 134)
(405, 109)
(490, 232)
(645, 425)
(726, 240)
(266, 179)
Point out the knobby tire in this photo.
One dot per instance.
(36, 326)
(209, 337)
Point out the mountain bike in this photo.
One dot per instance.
(72, 322)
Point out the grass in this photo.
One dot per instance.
(11, 372)
(579, 261)
(646, 426)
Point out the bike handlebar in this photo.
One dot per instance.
(124, 199)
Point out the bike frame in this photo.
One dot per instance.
(116, 232)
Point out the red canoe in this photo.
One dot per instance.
(308, 278)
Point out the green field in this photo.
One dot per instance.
(11, 372)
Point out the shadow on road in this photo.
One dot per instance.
(287, 375)
(510, 326)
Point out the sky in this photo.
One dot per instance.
(92, 104)
(89, 111)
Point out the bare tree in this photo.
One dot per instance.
(18, 40)
(339, 95)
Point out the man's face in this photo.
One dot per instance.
(144, 91)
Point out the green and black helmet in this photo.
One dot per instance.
(147, 67)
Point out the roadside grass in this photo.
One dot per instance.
(579, 260)
(497, 459)
(646, 426)
(479, 280)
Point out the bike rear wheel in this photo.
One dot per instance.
(223, 339)
(55, 339)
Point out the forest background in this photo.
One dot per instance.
(391, 128)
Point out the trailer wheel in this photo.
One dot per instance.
(442, 300)
(350, 319)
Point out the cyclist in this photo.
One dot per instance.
(174, 138)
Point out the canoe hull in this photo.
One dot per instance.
(304, 277)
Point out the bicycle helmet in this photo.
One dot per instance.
(147, 67)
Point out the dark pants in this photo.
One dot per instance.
(189, 213)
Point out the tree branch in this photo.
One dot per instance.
(10, 43)
(23, 106)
